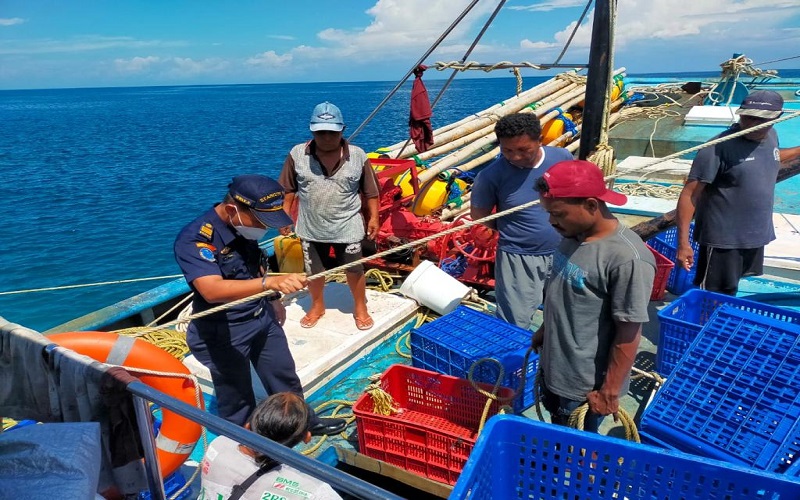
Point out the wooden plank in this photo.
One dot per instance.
(369, 464)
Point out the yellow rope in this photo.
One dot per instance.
(578, 418)
(172, 341)
(349, 418)
(385, 280)
(490, 396)
(383, 402)
(397, 347)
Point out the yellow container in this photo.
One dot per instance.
(289, 253)
(432, 195)
(554, 129)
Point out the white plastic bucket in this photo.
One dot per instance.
(434, 288)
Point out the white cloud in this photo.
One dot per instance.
(529, 45)
(136, 64)
(170, 67)
(549, 5)
(706, 20)
(80, 44)
(270, 59)
(282, 37)
(11, 21)
(399, 29)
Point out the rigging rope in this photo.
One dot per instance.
(413, 67)
(100, 283)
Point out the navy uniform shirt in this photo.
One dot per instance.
(208, 246)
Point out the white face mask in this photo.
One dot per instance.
(247, 232)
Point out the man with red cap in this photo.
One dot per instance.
(730, 192)
(596, 296)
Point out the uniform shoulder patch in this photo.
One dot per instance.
(211, 247)
(207, 230)
(207, 254)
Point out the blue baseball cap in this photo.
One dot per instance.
(766, 104)
(326, 116)
(263, 196)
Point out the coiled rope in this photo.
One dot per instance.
(491, 395)
(475, 65)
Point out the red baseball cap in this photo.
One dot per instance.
(579, 179)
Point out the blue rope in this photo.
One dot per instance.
(454, 266)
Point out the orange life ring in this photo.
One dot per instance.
(177, 435)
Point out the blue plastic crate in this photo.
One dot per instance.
(681, 321)
(172, 484)
(516, 457)
(452, 343)
(735, 394)
(666, 244)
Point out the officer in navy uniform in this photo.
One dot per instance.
(222, 262)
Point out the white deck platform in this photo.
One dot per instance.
(782, 256)
(633, 167)
(334, 343)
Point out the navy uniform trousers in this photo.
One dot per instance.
(227, 349)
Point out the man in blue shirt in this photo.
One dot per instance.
(527, 241)
(219, 255)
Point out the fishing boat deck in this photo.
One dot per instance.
(334, 343)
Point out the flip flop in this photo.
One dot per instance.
(364, 323)
(309, 321)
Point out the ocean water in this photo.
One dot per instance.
(96, 183)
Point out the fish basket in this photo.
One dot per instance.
(434, 428)
(666, 244)
(682, 320)
(452, 343)
(735, 394)
(664, 268)
(517, 457)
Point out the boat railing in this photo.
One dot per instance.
(142, 394)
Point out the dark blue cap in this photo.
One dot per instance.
(263, 196)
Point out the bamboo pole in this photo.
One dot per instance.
(481, 128)
(467, 151)
(555, 82)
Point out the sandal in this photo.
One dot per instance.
(364, 323)
(309, 321)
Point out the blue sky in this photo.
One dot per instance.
(98, 43)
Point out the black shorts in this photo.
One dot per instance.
(317, 256)
(720, 269)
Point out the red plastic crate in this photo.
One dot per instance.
(663, 269)
(436, 429)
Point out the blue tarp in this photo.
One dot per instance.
(50, 461)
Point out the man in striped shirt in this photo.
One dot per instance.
(326, 180)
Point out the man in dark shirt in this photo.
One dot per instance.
(731, 190)
(219, 255)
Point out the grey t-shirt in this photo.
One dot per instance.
(591, 285)
(735, 209)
